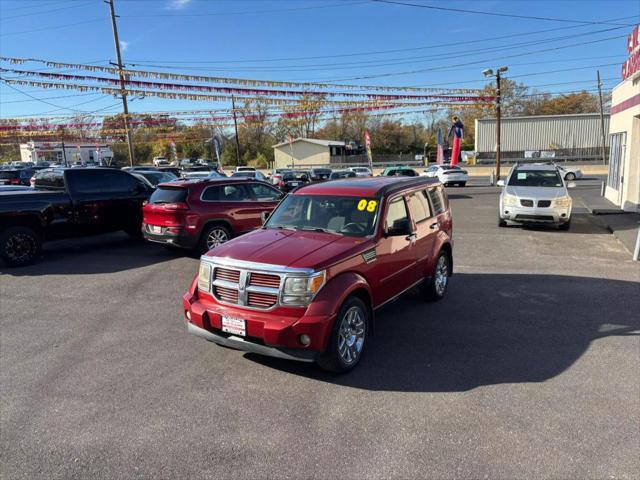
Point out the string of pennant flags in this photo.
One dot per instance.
(232, 81)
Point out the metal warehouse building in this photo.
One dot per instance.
(567, 137)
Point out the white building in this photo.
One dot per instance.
(307, 152)
(53, 152)
(623, 181)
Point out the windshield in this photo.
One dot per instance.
(353, 216)
(159, 177)
(295, 176)
(244, 173)
(535, 178)
(168, 195)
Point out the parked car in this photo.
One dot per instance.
(245, 169)
(154, 177)
(319, 174)
(276, 175)
(255, 174)
(305, 286)
(399, 172)
(175, 170)
(535, 194)
(160, 161)
(448, 174)
(200, 175)
(68, 202)
(200, 215)
(570, 173)
(361, 171)
(16, 176)
(138, 167)
(293, 179)
(338, 174)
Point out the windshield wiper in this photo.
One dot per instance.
(281, 227)
(317, 229)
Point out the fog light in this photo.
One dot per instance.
(304, 339)
(187, 314)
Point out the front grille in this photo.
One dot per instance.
(536, 218)
(227, 275)
(526, 203)
(228, 295)
(264, 280)
(544, 203)
(261, 300)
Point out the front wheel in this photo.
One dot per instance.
(565, 226)
(348, 337)
(436, 287)
(570, 176)
(463, 184)
(20, 246)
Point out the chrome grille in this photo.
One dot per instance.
(261, 300)
(526, 203)
(225, 294)
(264, 280)
(246, 288)
(227, 275)
(544, 203)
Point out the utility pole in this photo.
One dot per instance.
(235, 125)
(498, 125)
(604, 138)
(64, 152)
(125, 108)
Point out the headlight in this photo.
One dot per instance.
(563, 202)
(301, 290)
(509, 200)
(204, 277)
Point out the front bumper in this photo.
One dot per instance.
(550, 215)
(273, 333)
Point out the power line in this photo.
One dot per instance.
(30, 14)
(49, 98)
(55, 27)
(494, 14)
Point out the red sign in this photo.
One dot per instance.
(632, 65)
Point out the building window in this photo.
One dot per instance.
(616, 157)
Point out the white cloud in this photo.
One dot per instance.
(177, 4)
(124, 45)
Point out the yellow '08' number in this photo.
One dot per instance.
(371, 206)
(362, 204)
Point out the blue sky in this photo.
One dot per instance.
(274, 39)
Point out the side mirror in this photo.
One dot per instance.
(399, 228)
(571, 184)
(500, 183)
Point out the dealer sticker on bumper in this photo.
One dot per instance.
(234, 326)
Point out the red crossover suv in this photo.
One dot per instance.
(306, 285)
(203, 214)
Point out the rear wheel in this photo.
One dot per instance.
(348, 337)
(20, 246)
(570, 176)
(436, 287)
(213, 236)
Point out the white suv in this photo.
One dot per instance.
(535, 194)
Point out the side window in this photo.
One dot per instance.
(397, 211)
(437, 200)
(263, 193)
(103, 181)
(419, 206)
(226, 193)
(50, 179)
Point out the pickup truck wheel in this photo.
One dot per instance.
(19, 246)
(436, 287)
(212, 236)
(348, 337)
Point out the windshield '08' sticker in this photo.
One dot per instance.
(368, 205)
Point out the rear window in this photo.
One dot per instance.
(49, 179)
(9, 174)
(169, 195)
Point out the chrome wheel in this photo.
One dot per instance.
(351, 335)
(19, 247)
(441, 275)
(216, 237)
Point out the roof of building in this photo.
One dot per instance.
(324, 143)
(364, 186)
(542, 117)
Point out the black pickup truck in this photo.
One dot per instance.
(68, 202)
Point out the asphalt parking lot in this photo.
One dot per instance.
(529, 368)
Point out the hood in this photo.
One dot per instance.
(298, 249)
(537, 192)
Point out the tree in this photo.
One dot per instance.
(545, 104)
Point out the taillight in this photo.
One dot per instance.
(176, 206)
(14, 181)
(281, 184)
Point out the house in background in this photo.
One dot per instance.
(307, 153)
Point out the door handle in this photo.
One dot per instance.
(434, 226)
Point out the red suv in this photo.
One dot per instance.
(306, 285)
(200, 215)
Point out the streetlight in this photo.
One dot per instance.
(489, 73)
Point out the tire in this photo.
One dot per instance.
(213, 235)
(20, 246)
(501, 222)
(570, 176)
(565, 226)
(463, 184)
(351, 326)
(436, 287)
